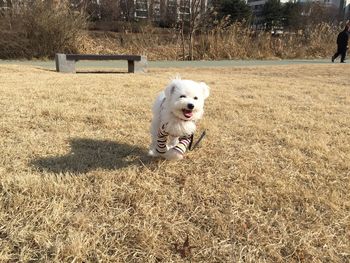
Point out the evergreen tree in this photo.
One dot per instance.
(292, 15)
(237, 10)
(272, 13)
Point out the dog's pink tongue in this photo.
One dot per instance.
(187, 113)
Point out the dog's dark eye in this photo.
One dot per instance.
(196, 98)
(182, 96)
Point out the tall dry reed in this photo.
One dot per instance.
(236, 41)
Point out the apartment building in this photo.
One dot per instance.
(329, 3)
(346, 9)
(257, 6)
(172, 9)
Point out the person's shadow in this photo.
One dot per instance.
(88, 154)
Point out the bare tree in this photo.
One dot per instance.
(190, 13)
(194, 23)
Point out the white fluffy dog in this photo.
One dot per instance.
(175, 113)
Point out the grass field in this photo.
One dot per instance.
(269, 183)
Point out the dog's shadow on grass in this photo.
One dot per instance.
(88, 154)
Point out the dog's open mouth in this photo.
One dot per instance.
(187, 113)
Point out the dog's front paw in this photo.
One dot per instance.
(173, 155)
(153, 153)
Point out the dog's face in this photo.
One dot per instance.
(186, 98)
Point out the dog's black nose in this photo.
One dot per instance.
(190, 106)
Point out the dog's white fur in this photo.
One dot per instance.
(169, 108)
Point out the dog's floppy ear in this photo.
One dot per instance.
(170, 90)
(205, 89)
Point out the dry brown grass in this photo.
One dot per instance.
(270, 182)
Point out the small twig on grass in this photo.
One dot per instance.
(185, 249)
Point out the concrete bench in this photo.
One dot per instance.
(66, 62)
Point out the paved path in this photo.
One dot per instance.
(171, 64)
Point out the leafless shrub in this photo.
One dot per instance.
(51, 30)
(13, 45)
(43, 30)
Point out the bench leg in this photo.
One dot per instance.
(138, 66)
(131, 66)
(64, 65)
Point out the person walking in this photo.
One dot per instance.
(342, 42)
